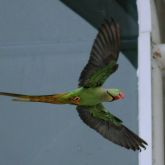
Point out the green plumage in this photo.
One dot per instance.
(89, 96)
(98, 111)
(99, 77)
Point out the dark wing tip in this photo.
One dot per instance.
(133, 141)
(118, 134)
(111, 24)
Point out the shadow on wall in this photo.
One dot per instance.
(124, 12)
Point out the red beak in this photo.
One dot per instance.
(120, 96)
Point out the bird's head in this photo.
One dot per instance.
(114, 94)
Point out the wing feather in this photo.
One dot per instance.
(110, 128)
(105, 52)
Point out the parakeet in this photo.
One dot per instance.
(89, 96)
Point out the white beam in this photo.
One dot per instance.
(144, 80)
(144, 88)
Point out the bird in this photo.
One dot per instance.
(90, 94)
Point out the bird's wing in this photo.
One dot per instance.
(103, 56)
(110, 127)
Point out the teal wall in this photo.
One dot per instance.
(43, 48)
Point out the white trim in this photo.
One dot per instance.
(144, 15)
(144, 80)
(144, 88)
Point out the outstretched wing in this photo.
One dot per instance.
(103, 56)
(110, 127)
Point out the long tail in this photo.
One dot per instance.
(53, 99)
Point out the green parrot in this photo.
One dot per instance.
(90, 95)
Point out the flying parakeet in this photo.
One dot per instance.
(90, 95)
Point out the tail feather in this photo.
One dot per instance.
(22, 99)
(19, 97)
(54, 99)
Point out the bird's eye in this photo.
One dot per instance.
(76, 98)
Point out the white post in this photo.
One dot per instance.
(151, 118)
(145, 104)
(144, 80)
